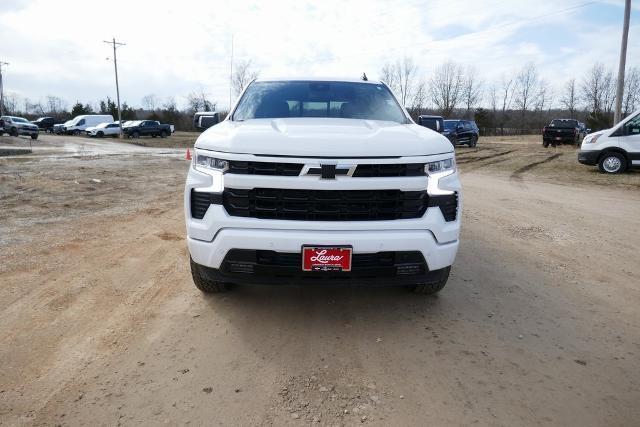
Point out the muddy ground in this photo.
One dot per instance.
(100, 323)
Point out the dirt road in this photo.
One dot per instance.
(101, 325)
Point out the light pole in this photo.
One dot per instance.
(617, 116)
(115, 66)
(2, 89)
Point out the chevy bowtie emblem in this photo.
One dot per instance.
(330, 171)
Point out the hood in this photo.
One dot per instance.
(320, 137)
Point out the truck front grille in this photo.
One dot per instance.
(294, 169)
(325, 205)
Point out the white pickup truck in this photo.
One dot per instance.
(321, 181)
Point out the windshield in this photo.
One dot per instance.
(450, 124)
(102, 125)
(19, 120)
(347, 100)
(564, 123)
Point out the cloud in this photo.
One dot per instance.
(173, 47)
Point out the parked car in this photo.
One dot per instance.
(562, 131)
(104, 129)
(614, 150)
(288, 189)
(435, 123)
(58, 128)
(45, 123)
(79, 124)
(15, 126)
(461, 132)
(147, 128)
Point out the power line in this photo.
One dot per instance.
(2, 89)
(115, 45)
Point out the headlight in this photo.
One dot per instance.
(436, 171)
(203, 163)
(441, 167)
(590, 139)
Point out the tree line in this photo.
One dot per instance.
(518, 102)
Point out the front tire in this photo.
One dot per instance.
(163, 134)
(612, 163)
(473, 142)
(545, 144)
(100, 134)
(136, 134)
(205, 285)
(13, 132)
(433, 287)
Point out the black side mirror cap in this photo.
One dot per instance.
(204, 120)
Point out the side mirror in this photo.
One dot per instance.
(588, 130)
(203, 121)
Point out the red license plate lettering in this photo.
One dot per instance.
(326, 258)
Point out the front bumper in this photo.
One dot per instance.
(588, 157)
(217, 233)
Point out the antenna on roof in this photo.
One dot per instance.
(364, 77)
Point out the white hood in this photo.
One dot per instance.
(320, 137)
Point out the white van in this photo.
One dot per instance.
(613, 150)
(79, 124)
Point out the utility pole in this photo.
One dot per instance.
(623, 59)
(231, 74)
(115, 66)
(2, 89)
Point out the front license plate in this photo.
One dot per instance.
(326, 258)
(558, 138)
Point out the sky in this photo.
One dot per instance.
(177, 47)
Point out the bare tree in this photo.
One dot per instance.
(199, 101)
(506, 93)
(55, 105)
(419, 97)
(569, 98)
(543, 96)
(631, 91)
(597, 89)
(408, 70)
(608, 92)
(472, 89)
(527, 88)
(388, 74)
(150, 101)
(400, 77)
(243, 74)
(446, 87)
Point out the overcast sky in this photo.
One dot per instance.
(175, 47)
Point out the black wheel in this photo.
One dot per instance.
(473, 142)
(13, 132)
(205, 285)
(1, 132)
(136, 134)
(545, 144)
(34, 136)
(163, 134)
(432, 287)
(612, 162)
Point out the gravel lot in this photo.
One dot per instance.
(100, 323)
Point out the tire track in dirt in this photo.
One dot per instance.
(465, 160)
(517, 174)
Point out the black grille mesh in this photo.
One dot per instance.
(325, 205)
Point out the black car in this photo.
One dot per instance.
(45, 123)
(563, 131)
(147, 128)
(435, 123)
(462, 132)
